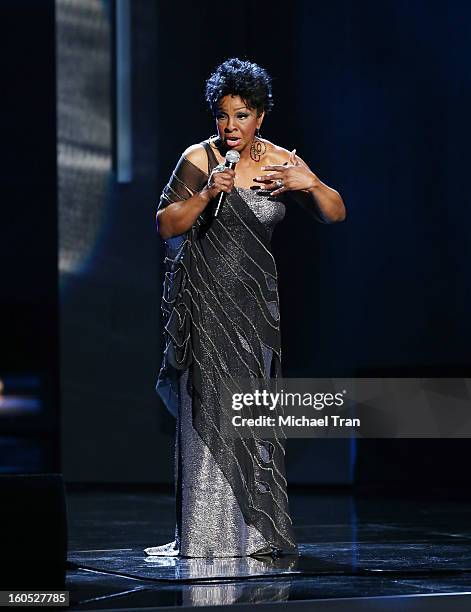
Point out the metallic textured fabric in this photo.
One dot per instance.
(212, 524)
(268, 211)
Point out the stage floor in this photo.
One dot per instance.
(397, 553)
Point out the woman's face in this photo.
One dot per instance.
(236, 123)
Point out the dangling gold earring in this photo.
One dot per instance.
(258, 148)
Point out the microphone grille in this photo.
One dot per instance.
(232, 157)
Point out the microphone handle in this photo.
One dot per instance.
(222, 196)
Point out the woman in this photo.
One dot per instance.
(221, 314)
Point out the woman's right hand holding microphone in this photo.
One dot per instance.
(220, 179)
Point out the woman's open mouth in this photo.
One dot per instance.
(233, 141)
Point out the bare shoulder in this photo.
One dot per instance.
(197, 155)
(275, 154)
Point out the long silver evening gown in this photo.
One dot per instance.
(212, 519)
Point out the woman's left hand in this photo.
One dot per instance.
(295, 176)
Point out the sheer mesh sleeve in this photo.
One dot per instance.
(185, 181)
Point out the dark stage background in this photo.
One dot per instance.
(375, 98)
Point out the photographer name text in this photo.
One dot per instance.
(330, 420)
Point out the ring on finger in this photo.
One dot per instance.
(279, 183)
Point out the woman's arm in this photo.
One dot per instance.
(178, 217)
(324, 202)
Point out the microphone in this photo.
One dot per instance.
(232, 157)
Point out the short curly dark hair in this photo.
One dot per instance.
(241, 78)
